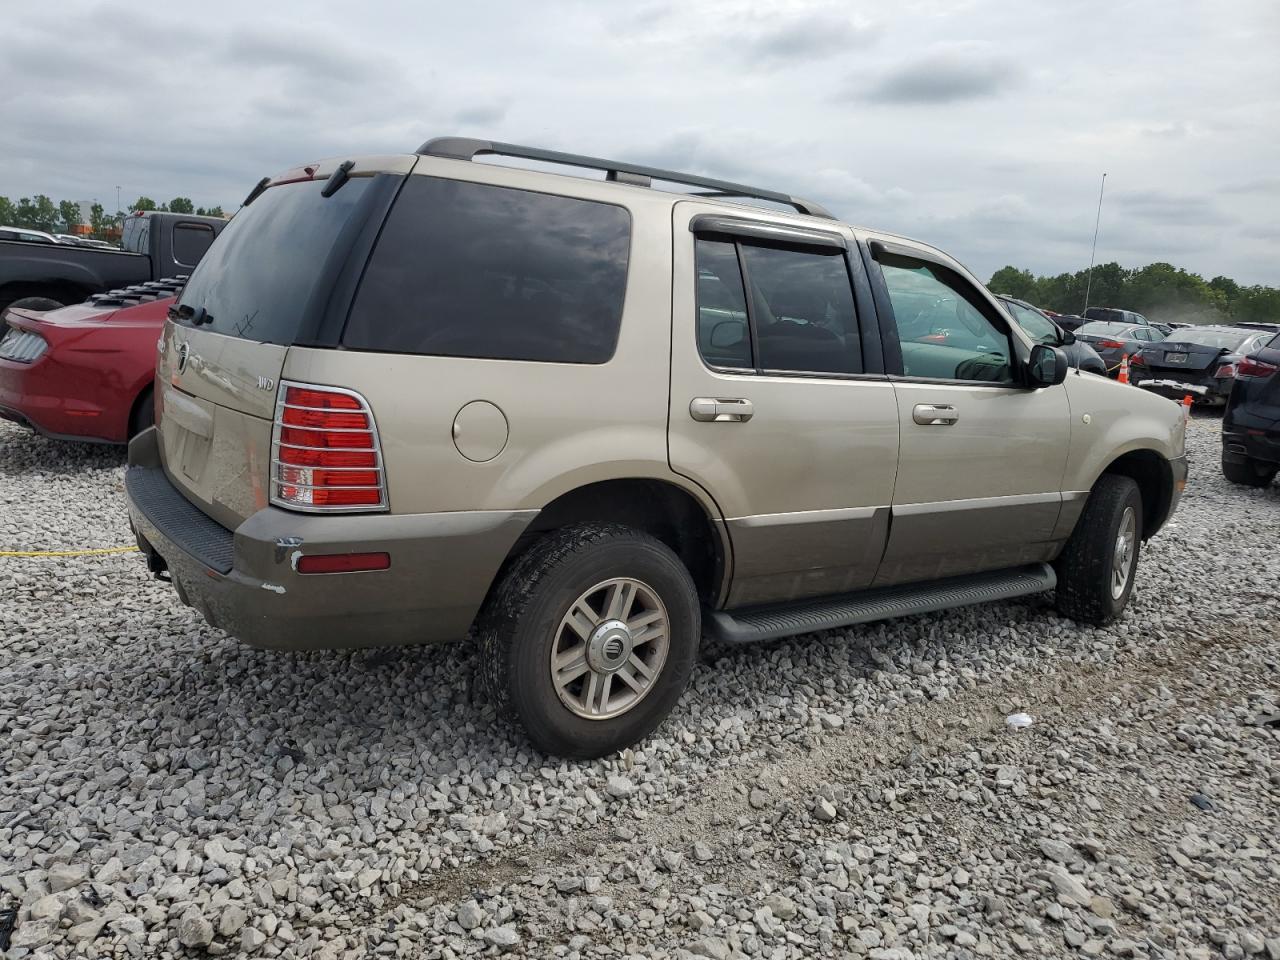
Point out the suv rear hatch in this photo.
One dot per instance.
(281, 273)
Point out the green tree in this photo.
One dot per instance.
(1257, 303)
(98, 221)
(69, 211)
(8, 213)
(182, 205)
(1016, 283)
(40, 213)
(216, 211)
(143, 203)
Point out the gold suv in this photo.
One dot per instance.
(407, 398)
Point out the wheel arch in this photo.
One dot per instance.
(664, 509)
(1154, 476)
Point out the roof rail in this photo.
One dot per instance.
(465, 148)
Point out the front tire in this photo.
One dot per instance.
(589, 639)
(1098, 565)
(1250, 473)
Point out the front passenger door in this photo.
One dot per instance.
(981, 456)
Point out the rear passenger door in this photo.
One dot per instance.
(982, 457)
(780, 408)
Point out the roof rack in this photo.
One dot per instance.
(465, 148)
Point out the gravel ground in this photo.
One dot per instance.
(166, 792)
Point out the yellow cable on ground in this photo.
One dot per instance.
(66, 553)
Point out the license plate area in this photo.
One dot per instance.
(1175, 358)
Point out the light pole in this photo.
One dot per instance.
(1088, 287)
(117, 200)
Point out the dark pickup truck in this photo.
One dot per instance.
(154, 246)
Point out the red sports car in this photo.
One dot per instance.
(84, 372)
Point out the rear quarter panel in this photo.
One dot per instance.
(567, 424)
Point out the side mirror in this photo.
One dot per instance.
(1067, 338)
(1048, 366)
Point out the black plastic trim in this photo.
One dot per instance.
(762, 230)
(182, 522)
(770, 622)
(465, 148)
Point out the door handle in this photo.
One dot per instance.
(721, 409)
(934, 414)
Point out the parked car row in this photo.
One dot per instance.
(407, 398)
(153, 246)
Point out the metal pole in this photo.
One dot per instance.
(117, 201)
(1088, 288)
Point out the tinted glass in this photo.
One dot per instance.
(1231, 339)
(190, 241)
(1106, 315)
(802, 305)
(943, 334)
(723, 336)
(258, 277)
(135, 234)
(470, 270)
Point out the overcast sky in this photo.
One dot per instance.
(982, 126)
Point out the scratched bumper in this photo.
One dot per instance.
(441, 567)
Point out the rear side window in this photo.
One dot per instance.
(190, 241)
(800, 318)
(472, 270)
(258, 278)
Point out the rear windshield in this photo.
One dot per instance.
(258, 278)
(1106, 314)
(1105, 329)
(1230, 339)
(472, 270)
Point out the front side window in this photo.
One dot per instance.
(471, 270)
(943, 333)
(800, 317)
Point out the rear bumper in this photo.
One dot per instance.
(246, 583)
(1240, 445)
(1202, 389)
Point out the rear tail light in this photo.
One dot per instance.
(1137, 361)
(1112, 344)
(1226, 370)
(1253, 367)
(325, 454)
(22, 346)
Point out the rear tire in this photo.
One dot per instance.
(1249, 473)
(1097, 567)
(555, 601)
(143, 414)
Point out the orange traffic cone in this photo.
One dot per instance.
(1186, 406)
(1124, 370)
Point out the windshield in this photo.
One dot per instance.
(1230, 339)
(1036, 324)
(257, 279)
(1096, 329)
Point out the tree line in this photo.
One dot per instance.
(41, 213)
(1159, 291)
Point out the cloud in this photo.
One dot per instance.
(1158, 206)
(946, 76)
(801, 40)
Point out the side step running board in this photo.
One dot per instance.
(783, 620)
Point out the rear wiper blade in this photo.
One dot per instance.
(256, 191)
(337, 178)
